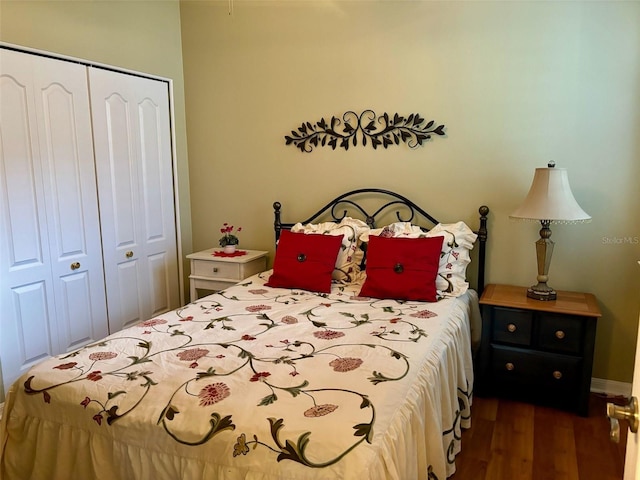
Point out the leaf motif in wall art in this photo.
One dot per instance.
(363, 129)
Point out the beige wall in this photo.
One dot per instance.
(516, 83)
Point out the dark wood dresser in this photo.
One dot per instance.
(538, 351)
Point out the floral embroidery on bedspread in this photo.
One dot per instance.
(248, 346)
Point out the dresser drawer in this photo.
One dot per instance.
(213, 269)
(533, 370)
(560, 333)
(512, 326)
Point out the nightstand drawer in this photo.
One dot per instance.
(512, 326)
(535, 370)
(560, 333)
(213, 269)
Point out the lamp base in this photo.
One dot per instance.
(544, 250)
(541, 294)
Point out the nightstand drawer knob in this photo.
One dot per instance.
(559, 334)
(509, 366)
(511, 328)
(557, 374)
(215, 269)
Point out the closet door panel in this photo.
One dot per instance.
(80, 298)
(65, 178)
(159, 203)
(28, 331)
(160, 283)
(152, 174)
(33, 333)
(118, 175)
(130, 308)
(134, 111)
(21, 176)
(74, 304)
(66, 146)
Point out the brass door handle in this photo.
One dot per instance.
(627, 412)
(129, 254)
(75, 265)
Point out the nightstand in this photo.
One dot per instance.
(214, 273)
(538, 351)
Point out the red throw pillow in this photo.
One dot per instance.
(305, 261)
(402, 268)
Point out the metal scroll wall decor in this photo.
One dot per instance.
(382, 130)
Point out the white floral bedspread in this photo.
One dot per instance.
(253, 383)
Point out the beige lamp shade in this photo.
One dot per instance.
(550, 198)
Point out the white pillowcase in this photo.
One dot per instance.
(398, 229)
(454, 258)
(350, 255)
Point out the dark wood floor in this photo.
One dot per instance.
(510, 440)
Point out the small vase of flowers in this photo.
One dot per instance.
(229, 240)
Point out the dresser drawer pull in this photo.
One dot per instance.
(215, 269)
(557, 374)
(511, 327)
(559, 334)
(509, 366)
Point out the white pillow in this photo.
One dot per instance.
(454, 258)
(350, 255)
(397, 229)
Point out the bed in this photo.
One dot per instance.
(270, 380)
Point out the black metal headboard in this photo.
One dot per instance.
(351, 204)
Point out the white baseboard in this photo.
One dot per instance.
(610, 387)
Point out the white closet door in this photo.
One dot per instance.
(66, 150)
(28, 332)
(132, 136)
(49, 218)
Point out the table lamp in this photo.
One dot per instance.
(549, 200)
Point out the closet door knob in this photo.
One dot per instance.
(75, 265)
(129, 254)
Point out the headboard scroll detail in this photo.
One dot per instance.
(351, 204)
